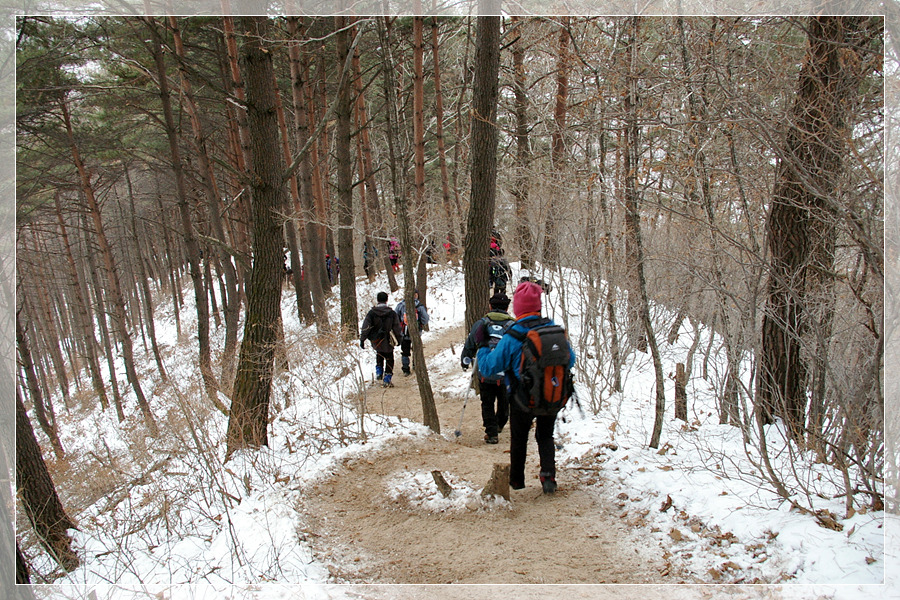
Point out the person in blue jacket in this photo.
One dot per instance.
(506, 357)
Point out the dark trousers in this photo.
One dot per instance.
(405, 351)
(385, 359)
(494, 420)
(519, 426)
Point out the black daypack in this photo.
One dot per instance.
(493, 331)
(545, 381)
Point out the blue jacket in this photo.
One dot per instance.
(507, 355)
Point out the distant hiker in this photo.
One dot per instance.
(487, 332)
(512, 354)
(382, 327)
(500, 273)
(328, 269)
(405, 341)
(369, 261)
(525, 275)
(496, 243)
(394, 253)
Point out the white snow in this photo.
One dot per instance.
(195, 526)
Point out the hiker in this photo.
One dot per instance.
(525, 275)
(500, 273)
(507, 357)
(369, 261)
(328, 269)
(487, 332)
(382, 327)
(394, 253)
(405, 340)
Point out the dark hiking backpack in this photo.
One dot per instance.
(493, 331)
(545, 381)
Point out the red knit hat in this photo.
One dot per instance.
(527, 299)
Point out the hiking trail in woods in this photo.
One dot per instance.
(363, 535)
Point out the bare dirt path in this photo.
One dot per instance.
(365, 536)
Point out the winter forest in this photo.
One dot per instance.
(206, 208)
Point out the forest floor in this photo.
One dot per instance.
(364, 535)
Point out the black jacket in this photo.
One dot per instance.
(381, 321)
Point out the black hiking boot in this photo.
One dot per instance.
(548, 483)
(516, 485)
(491, 439)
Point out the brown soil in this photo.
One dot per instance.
(365, 536)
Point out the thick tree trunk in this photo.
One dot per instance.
(802, 209)
(42, 505)
(253, 384)
(343, 145)
(484, 167)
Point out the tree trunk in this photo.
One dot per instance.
(802, 207)
(484, 167)
(42, 505)
(429, 410)
(633, 220)
(253, 383)
(452, 241)
(523, 153)
(557, 148)
(343, 145)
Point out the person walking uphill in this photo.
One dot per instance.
(538, 388)
(405, 340)
(382, 327)
(487, 332)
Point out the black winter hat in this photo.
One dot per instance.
(381, 297)
(500, 301)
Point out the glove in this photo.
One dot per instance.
(465, 363)
(362, 343)
(465, 367)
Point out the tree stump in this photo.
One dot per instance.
(680, 392)
(443, 487)
(498, 484)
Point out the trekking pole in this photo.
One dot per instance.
(458, 431)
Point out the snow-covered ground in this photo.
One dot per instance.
(195, 526)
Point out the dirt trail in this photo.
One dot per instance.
(365, 536)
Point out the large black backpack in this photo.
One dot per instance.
(545, 381)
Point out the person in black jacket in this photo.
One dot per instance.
(382, 327)
(486, 332)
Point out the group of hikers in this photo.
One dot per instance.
(521, 367)
(387, 327)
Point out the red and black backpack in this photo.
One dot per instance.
(545, 381)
